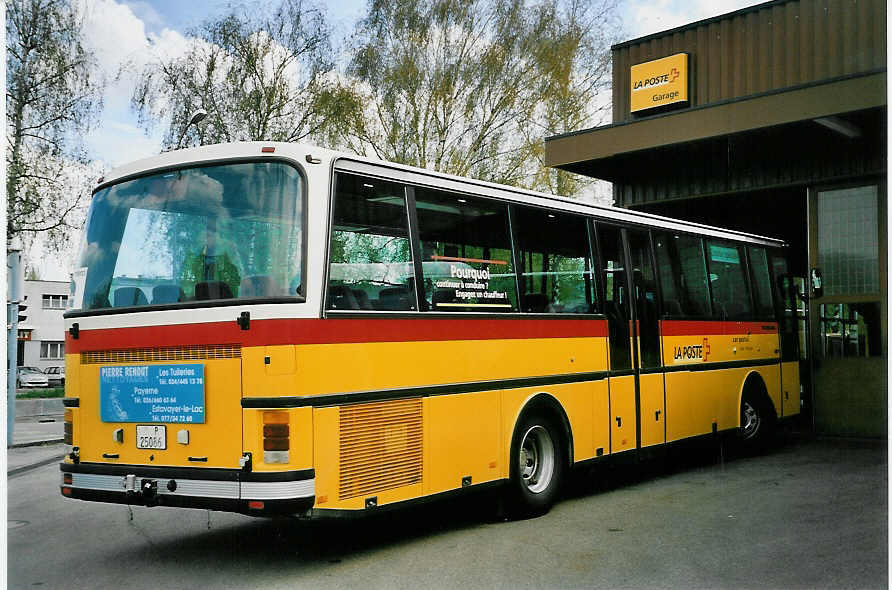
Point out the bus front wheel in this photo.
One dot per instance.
(537, 466)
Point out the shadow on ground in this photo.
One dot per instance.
(294, 542)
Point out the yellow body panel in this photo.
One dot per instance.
(653, 411)
(463, 434)
(690, 407)
(790, 388)
(622, 410)
(716, 348)
(300, 426)
(461, 440)
(326, 456)
(339, 368)
(278, 376)
(218, 440)
(579, 402)
(600, 426)
(73, 390)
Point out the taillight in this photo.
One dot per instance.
(68, 428)
(67, 480)
(276, 437)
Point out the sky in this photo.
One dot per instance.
(132, 32)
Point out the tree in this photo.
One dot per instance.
(471, 87)
(53, 97)
(575, 54)
(260, 76)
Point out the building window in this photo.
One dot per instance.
(848, 241)
(52, 350)
(55, 301)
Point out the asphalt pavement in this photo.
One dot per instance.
(810, 513)
(36, 441)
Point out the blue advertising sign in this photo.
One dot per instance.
(152, 393)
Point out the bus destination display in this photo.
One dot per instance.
(152, 393)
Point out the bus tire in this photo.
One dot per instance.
(756, 423)
(537, 465)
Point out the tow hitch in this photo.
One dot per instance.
(147, 490)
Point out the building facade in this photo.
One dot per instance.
(41, 329)
(771, 120)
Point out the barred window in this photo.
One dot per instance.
(55, 301)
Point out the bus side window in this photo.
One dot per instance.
(728, 277)
(556, 271)
(466, 253)
(370, 260)
(682, 271)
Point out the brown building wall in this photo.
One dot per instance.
(763, 48)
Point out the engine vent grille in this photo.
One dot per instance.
(169, 353)
(380, 446)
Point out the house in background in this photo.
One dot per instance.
(41, 338)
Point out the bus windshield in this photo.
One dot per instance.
(211, 233)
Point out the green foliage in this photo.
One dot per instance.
(472, 87)
(199, 267)
(42, 393)
(259, 74)
(468, 87)
(53, 97)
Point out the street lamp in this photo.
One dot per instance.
(197, 117)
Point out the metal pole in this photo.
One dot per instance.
(14, 282)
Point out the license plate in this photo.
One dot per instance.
(151, 437)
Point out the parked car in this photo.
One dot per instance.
(31, 377)
(56, 375)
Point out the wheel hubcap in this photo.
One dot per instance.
(536, 459)
(750, 420)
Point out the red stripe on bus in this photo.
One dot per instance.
(333, 331)
(715, 328)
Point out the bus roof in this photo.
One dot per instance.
(343, 161)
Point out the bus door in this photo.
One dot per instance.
(790, 311)
(649, 366)
(637, 403)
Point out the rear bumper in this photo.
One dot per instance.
(231, 490)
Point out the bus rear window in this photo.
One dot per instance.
(230, 231)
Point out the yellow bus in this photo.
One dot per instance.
(273, 328)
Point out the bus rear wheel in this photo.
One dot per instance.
(537, 466)
(756, 423)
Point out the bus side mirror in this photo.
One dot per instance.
(817, 283)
